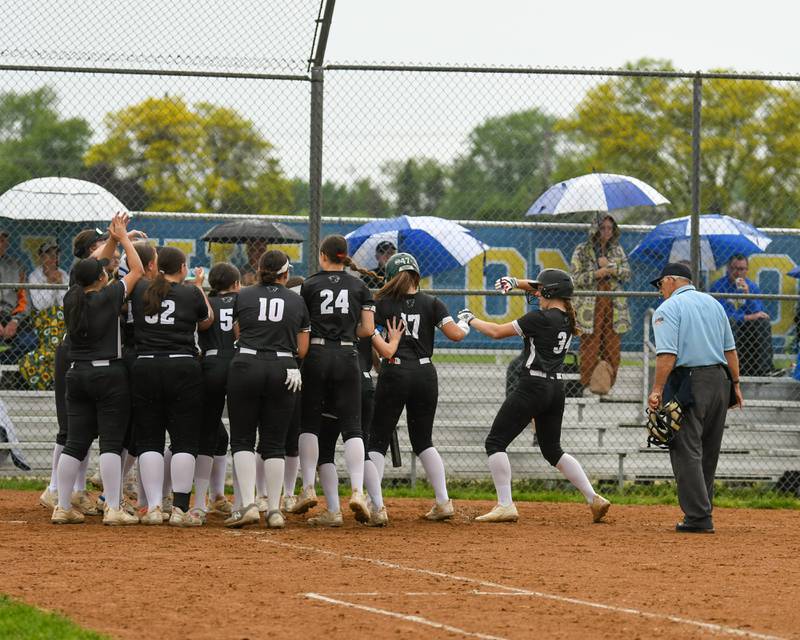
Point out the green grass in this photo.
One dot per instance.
(22, 622)
(23, 484)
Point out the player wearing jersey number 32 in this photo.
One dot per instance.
(547, 333)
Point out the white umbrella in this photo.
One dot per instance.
(59, 199)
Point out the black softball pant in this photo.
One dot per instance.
(167, 398)
(329, 433)
(98, 403)
(331, 379)
(293, 432)
(536, 398)
(60, 386)
(413, 386)
(215, 384)
(259, 401)
(129, 443)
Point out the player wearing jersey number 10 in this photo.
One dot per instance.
(547, 333)
(341, 309)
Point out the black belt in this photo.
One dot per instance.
(706, 366)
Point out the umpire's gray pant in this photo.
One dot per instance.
(695, 450)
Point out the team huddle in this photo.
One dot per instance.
(149, 354)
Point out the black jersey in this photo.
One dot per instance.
(335, 300)
(220, 334)
(103, 340)
(421, 313)
(365, 354)
(126, 324)
(172, 329)
(547, 338)
(270, 317)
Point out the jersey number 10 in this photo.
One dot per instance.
(270, 309)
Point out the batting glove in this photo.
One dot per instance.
(506, 284)
(461, 324)
(294, 381)
(466, 316)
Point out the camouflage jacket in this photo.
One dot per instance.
(583, 266)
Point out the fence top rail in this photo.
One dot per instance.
(640, 73)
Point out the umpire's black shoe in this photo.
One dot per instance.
(682, 527)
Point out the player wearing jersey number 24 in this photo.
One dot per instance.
(547, 333)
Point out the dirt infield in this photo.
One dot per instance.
(552, 575)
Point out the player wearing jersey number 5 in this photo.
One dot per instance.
(263, 381)
(408, 380)
(547, 333)
(168, 382)
(341, 309)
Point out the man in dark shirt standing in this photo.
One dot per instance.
(385, 250)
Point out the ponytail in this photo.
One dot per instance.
(334, 248)
(573, 323)
(75, 311)
(271, 266)
(347, 261)
(222, 277)
(399, 286)
(170, 262)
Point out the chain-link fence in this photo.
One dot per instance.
(239, 116)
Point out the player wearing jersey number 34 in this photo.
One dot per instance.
(547, 333)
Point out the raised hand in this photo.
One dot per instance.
(395, 328)
(466, 316)
(506, 284)
(199, 276)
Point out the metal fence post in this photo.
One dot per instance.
(697, 106)
(315, 170)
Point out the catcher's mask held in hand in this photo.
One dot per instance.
(663, 424)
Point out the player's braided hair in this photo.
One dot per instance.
(403, 283)
(75, 314)
(269, 264)
(170, 261)
(222, 277)
(573, 323)
(335, 249)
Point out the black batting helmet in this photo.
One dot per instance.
(554, 283)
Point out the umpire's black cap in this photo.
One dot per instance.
(673, 269)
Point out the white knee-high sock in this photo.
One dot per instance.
(127, 463)
(111, 473)
(68, 469)
(141, 495)
(166, 487)
(573, 471)
(372, 484)
(237, 495)
(261, 481)
(218, 472)
(182, 470)
(57, 449)
(379, 461)
(308, 447)
(273, 477)
(434, 469)
(290, 468)
(354, 459)
(80, 479)
(202, 478)
(500, 467)
(329, 480)
(151, 469)
(245, 464)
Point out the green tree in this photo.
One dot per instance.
(750, 142)
(418, 185)
(35, 141)
(507, 165)
(360, 199)
(193, 158)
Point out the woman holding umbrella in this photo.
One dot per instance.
(600, 263)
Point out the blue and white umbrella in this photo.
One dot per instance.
(720, 238)
(438, 244)
(596, 192)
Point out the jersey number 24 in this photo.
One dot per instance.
(328, 305)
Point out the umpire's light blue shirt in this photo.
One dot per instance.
(693, 326)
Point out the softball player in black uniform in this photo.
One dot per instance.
(217, 346)
(341, 309)
(98, 396)
(168, 382)
(408, 379)
(547, 333)
(262, 383)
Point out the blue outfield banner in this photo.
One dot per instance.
(519, 251)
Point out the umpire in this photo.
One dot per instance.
(697, 364)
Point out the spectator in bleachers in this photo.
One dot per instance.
(47, 272)
(601, 264)
(751, 325)
(14, 307)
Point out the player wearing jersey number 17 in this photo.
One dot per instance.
(547, 333)
(263, 381)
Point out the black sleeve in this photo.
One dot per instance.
(201, 307)
(115, 293)
(440, 312)
(366, 297)
(305, 317)
(529, 324)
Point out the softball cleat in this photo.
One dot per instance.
(66, 516)
(274, 520)
(359, 507)
(242, 517)
(306, 500)
(49, 499)
(221, 505)
(118, 518)
(152, 516)
(599, 508)
(443, 511)
(326, 519)
(378, 517)
(83, 503)
(500, 514)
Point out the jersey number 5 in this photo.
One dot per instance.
(328, 305)
(226, 319)
(165, 317)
